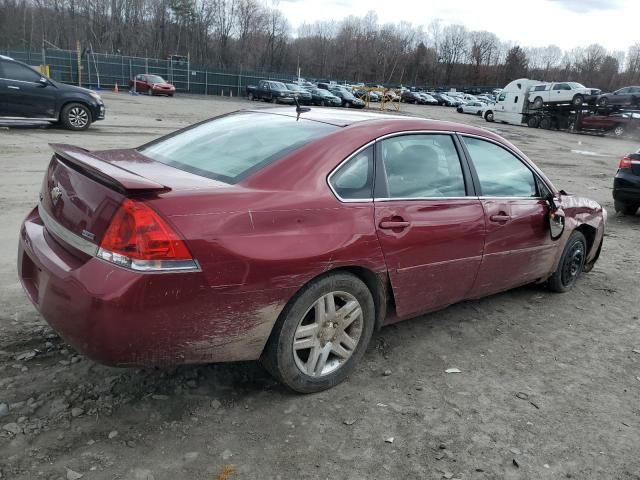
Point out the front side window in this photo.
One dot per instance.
(231, 147)
(501, 173)
(15, 71)
(419, 166)
(502, 97)
(354, 179)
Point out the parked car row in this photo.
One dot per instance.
(306, 93)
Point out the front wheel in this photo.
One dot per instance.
(538, 102)
(250, 97)
(489, 116)
(322, 104)
(619, 131)
(578, 100)
(602, 102)
(75, 116)
(571, 264)
(150, 92)
(321, 334)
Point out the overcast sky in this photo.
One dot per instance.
(566, 23)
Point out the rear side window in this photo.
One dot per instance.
(354, 179)
(422, 166)
(501, 174)
(15, 71)
(232, 147)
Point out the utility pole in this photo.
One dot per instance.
(79, 63)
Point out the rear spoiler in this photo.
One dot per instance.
(103, 171)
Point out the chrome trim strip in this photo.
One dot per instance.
(31, 119)
(21, 81)
(66, 235)
(392, 199)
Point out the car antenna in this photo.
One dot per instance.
(299, 109)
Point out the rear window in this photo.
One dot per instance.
(232, 147)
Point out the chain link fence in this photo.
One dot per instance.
(104, 71)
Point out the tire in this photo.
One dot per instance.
(619, 131)
(274, 100)
(533, 122)
(602, 102)
(625, 208)
(571, 126)
(488, 116)
(290, 365)
(150, 92)
(545, 123)
(459, 110)
(538, 102)
(250, 97)
(322, 104)
(578, 100)
(571, 264)
(75, 116)
(347, 104)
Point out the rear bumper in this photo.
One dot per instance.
(123, 318)
(626, 187)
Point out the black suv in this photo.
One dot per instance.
(27, 95)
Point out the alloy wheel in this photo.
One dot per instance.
(328, 334)
(78, 117)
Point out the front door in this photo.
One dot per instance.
(25, 95)
(518, 247)
(429, 225)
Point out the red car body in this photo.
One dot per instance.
(259, 241)
(152, 85)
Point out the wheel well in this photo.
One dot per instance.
(377, 285)
(85, 104)
(589, 233)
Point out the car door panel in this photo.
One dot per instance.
(25, 96)
(430, 231)
(433, 261)
(518, 248)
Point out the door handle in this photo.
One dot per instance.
(500, 218)
(12, 87)
(390, 224)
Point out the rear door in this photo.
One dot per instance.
(518, 248)
(429, 224)
(25, 95)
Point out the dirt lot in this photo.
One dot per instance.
(549, 385)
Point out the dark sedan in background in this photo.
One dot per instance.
(348, 99)
(627, 96)
(411, 97)
(303, 95)
(324, 98)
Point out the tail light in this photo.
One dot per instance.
(138, 238)
(625, 162)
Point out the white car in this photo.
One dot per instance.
(475, 108)
(562, 92)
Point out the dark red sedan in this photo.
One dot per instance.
(152, 85)
(260, 235)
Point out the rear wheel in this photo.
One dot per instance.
(578, 100)
(321, 334)
(347, 104)
(571, 264)
(626, 208)
(545, 123)
(322, 104)
(619, 131)
(150, 92)
(533, 122)
(538, 102)
(602, 102)
(75, 116)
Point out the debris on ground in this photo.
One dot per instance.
(453, 370)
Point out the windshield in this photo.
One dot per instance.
(278, 86)
(576, 85)
(293, 87)
(231, 147)
(155, 79)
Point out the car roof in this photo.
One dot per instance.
(346, 118)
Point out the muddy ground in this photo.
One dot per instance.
(550, 384)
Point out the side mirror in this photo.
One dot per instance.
(556, 218)
(43, 81)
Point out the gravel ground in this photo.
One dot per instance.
(548, 389)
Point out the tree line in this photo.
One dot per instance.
(250, 35)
